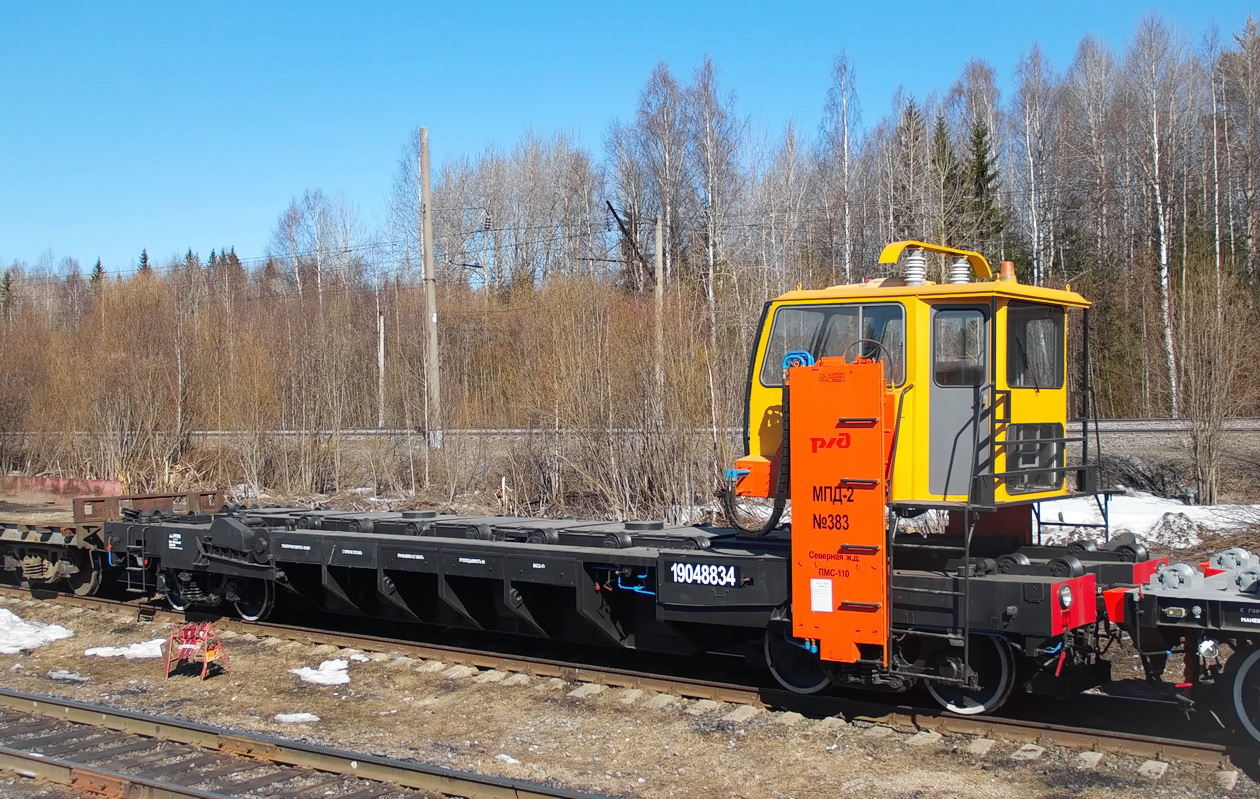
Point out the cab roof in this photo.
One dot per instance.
(896, 288)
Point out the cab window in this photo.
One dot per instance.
(869, 330)
(1034, 346)
(958, 347)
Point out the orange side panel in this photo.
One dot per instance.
(757, 482)
(841, 427)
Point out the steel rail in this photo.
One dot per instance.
(93, 780)
(442, 781)
(897, 716)
(1138, 745)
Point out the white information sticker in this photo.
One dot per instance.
(820, 596)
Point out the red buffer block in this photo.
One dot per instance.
(841, 435)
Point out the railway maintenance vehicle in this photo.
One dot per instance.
(914, 428)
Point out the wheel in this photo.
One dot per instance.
(9, 577)
(994, 665)
(796, 669)
(1242, 674)
(256, 599)
(174, 596)
(1133, 553)
(1012, 562)
(881, 352)
(87, 580)
(22, 581)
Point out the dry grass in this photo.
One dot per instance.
(599, 744)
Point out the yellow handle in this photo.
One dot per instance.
(979, 266)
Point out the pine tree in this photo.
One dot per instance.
(146, 268)
(985, 220)
(231, 263)
(946, 183)
(98, 274)
(912, 156)
(229, 272)
(6, 295)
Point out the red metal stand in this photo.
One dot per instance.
(193, 642)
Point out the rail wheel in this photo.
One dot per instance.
(994, 666)
(9, 577)
(20, 578)
(174, 594)
(1243, 684)
(795, 668)
(87, 580)
(255, 599)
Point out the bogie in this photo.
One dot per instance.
(975, 679)
(791, 661)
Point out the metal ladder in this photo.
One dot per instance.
(136, 576)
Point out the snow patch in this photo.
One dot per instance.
(330, 672)
(244, 491)
(61, 675)
(927, 523)
(144, 649)
(17, 634)
(1156, 520)
(506, 758)
(1174, 530)
(359, 657)
(296, 718)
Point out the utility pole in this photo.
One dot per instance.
(380, 359)
(625, 231)
(433, 424)
(660, 327)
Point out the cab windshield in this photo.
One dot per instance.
(869, 330)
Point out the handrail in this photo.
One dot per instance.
(979, 265)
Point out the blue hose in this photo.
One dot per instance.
(638, 589)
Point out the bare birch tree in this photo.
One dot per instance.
(662, 138)
(1035, 105)
(1155, 63)
(841, 115)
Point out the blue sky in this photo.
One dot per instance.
(177, 125)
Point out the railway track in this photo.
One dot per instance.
(105, 751)
(903, 717)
